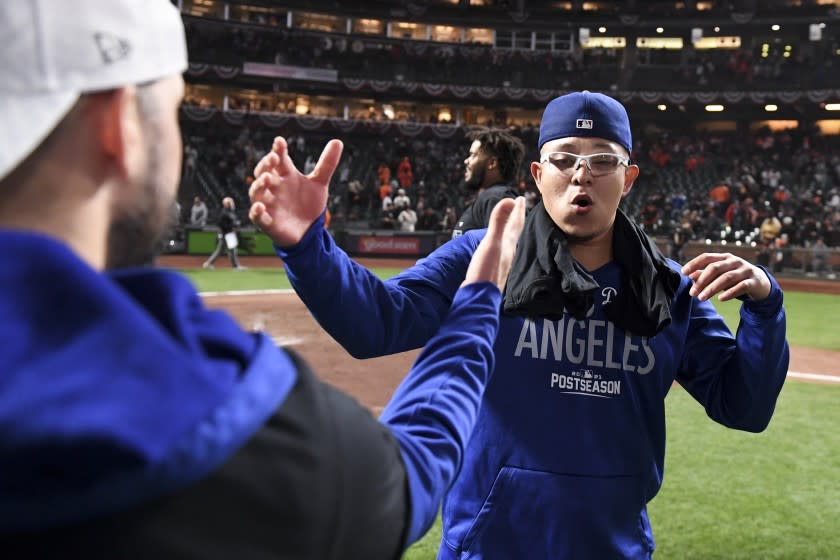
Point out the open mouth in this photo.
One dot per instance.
(582, 201)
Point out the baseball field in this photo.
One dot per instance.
(726, 494)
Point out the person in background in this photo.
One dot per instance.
(407, 218)
(490, 169)
(228, 237)
(405, 173)
(819, 257)
(449, 219)
(402, 200)
(429, 220)
(198, 213)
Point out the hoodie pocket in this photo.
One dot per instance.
(537, 514)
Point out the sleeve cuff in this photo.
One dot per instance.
(306, 241)
(769, 306)
(479, 291)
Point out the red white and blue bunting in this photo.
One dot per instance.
(195, 69)
(288, 123)
(235, 117)
(273, 120)
(198, 114)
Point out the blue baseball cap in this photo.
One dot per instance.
(586, 114)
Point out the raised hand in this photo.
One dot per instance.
(726, 274)
(284, 201)
(494, 255)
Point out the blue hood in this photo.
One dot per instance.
(116, 388)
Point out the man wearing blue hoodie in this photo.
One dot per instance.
(135, 422)
(595, 328)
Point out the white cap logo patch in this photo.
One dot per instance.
(111, 47)
(584, 123)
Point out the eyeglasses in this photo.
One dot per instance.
(598, 164)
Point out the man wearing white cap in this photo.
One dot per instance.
(136, 423)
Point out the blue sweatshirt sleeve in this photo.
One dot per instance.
(737, 381)
(433, 411)
(367, 316)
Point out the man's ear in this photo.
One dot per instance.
(536, 173)
(630, 176)
(116, 120)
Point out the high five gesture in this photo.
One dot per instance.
(284, 201)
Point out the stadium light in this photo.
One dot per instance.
(832, 106)
(771, 108)
(602, 29)
(775, 27)
(717, 29)
(662, 107)
(714, 108)
(660, 29)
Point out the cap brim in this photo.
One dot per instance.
(27, 121)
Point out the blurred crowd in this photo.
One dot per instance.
(798, 65)
(768, 191)
(394, 60)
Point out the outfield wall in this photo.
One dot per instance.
(358, 243)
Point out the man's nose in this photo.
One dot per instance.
(581, 169)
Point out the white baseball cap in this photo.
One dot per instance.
(52, 51)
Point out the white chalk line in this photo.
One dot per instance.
(288, 340)
(278, 292)
(814, 377)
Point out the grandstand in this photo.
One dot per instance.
(739, 95)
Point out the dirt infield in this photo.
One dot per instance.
(810, 285)
(286, 319)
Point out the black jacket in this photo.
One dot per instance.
(322, 465)
(477, 214)
(228, 221)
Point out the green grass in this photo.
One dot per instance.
(730, 495)
(427, 547)
(812, 318)
(227, 279)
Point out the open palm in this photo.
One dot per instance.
(492, 259)
(284, 201)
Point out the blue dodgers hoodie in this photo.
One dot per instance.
(569, 444)
(116, 388)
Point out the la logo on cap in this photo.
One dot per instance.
(584, 123)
